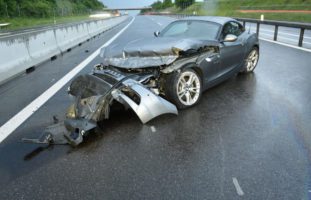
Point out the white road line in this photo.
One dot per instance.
(287, 45)
(25, 113)
(285, 38)
(237, 187)
(280, 32)
(253, 28)
(156, 22)
(153, 129)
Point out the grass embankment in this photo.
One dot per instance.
(231, 8)
(26, 22)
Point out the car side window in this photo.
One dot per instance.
(232, 28)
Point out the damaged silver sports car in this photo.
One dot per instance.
(157, 75)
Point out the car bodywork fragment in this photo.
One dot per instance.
(94, 94)
(149, 105)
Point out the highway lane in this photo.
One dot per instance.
(249, 138)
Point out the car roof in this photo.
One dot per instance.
(219, 20)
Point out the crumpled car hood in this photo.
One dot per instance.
(151, 52)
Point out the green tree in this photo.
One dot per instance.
(46, 8)
(37, 8)
(157, 5)
(167, 3)
(184, 3)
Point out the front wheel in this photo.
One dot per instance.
(184, 89)
(251, 61)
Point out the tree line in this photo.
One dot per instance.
(159, 5)
(47, 8)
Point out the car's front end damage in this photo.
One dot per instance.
(134, 77)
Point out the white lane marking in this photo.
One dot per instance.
(237, 186)
(253, 28)
(153, 129)
(280, 32)
(25, 113)
(285, 38)
(156, 22)
(287, 45)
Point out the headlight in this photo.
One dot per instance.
(176, 50)
(71, 112)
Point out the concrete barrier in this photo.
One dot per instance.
(22, 51)
(41, 46)
(93, 28)
(14, 56)
(67, 36)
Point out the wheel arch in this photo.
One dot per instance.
(170, 81)
(196, 68)
(256, 46)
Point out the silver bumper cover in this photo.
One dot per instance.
(94, 94)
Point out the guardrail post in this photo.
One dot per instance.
(276, 29)
(302, 32)
(257, 28)
(244, 23)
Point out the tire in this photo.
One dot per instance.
(184, 88)
(251, 61)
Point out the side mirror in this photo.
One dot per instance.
(156, 33)
(230, 38)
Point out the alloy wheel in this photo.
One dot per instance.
(188, 88)
(252, 60)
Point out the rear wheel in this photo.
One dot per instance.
(251, 61)
(184, 89)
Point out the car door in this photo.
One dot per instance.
(231, 53)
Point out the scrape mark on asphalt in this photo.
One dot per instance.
(237, 186)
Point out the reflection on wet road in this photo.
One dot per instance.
(248, 138)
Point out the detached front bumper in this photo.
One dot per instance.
(94, 94)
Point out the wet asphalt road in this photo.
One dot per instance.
(254, 129)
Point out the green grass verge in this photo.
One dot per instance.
(20, 22)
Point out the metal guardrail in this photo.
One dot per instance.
(277, 24)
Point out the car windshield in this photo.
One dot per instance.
(194, 29)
